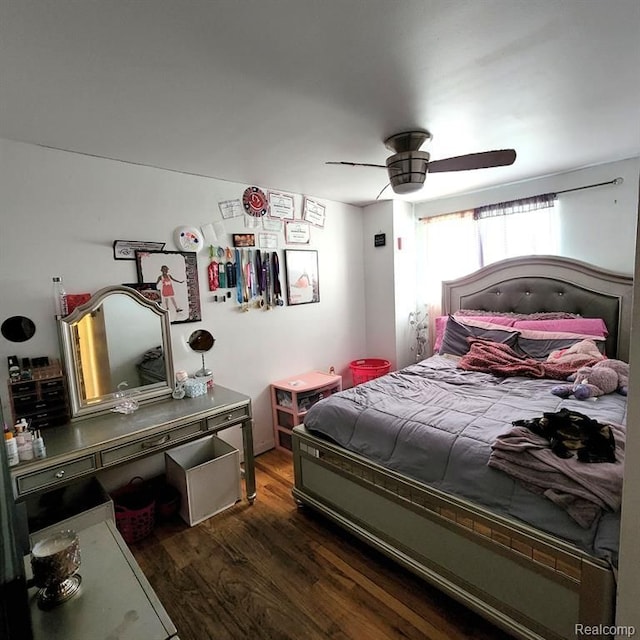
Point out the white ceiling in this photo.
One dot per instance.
(263, 92)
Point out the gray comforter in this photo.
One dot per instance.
(436, 423)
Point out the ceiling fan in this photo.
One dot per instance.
(408, 166)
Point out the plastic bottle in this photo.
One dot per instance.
(24, 441)
(59, 298)
(12, 449)
(20, 430)
(25, 451)
(39, 450)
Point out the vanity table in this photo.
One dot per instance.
(85, 447)
(105, 344)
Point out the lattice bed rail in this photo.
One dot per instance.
(562, 562)
(560, 585)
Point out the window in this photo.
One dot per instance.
(459, 243)
(518, 228)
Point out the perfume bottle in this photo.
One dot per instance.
(59, 298)
(178, 390)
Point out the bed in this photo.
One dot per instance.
(536, 577)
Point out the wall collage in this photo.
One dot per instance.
(246, 272)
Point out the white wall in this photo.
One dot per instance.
(379, 285)
(404, 281)
(390, 283)
(60, 213)
(598, 225)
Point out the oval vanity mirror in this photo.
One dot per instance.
(18, 328)
(118, 338)
(201, 341)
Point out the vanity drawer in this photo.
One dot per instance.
(230, 417)
(55, 475)
(146, 446)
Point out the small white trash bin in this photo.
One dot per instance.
(206, 472)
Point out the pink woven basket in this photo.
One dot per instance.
(134, 505)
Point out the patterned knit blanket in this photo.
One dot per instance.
(501, 360)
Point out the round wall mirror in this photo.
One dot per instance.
(201, 341)
(18, 328)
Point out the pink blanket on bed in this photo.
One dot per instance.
(501, 360)
(583, 490)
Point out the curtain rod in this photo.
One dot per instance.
(615, 181)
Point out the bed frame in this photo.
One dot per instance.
(531, 584)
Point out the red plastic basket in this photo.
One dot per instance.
(367, 369)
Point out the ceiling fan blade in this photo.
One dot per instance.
(482, 160)
(359, 164)
(383, 190)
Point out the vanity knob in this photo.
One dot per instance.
(229, 417)
(59, 474)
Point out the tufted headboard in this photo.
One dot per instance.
(549, 283)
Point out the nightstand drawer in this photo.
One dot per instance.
(55, 475)
(143, 447)
(230, 417)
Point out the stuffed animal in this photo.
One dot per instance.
(603, 377)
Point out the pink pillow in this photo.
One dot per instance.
(584, 326)
(504, 321)
(441, 324)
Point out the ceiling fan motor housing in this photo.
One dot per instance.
(407, 171)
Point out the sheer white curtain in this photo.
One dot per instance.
(451, 249)
(456, 244)
(519, 228)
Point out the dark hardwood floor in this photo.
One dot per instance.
(273, 570)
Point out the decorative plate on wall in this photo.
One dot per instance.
(255, 201)
(188, 239)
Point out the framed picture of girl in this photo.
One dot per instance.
(175, 276)
(301, 270)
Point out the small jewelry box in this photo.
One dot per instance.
(194, 387)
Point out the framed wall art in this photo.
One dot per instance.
(296, 233)
(126, 249)
(281, 206)
(175, 275)
(301, 271)
(244, 240)
(313, 212)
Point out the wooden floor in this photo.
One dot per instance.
(273, 570)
